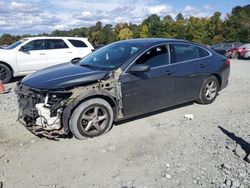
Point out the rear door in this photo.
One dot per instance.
(58, 52)
(192, 66)
(33, 58)
(147, 91)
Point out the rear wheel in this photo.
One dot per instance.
(92, 118)
(5, 73)
(209, 90)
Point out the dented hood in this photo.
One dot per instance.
(63, 76)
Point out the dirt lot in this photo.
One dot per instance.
(161, 150)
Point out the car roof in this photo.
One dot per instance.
(147, 42)
(48, 37)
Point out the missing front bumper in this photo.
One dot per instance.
(34, 115)
(40, 132)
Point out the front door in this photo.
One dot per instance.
(148, 91)
(33, 57)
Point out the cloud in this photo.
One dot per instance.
(23, 7)
(208, 7)
(160, 10)
(194, 11)
(189, 8)
(38, 16)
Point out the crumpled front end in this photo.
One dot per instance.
(47, 112)
(41, 111)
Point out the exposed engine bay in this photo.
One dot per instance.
(46, 112)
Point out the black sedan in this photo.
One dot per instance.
(121, 80)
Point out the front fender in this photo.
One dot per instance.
(83, 97)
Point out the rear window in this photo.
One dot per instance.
(202, 52)
(185, 52)
(78, 43)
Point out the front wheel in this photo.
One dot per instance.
(209, 90)
(92, 118)
(5, 73)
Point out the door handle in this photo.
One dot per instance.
(42, 54)
(202, 65)
(69, 52)
(168, 72)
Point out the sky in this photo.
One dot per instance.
(38, 16)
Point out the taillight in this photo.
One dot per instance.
(241, 49)
(228, 62)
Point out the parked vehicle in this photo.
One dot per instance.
(240, 52)
(222, 48)
(31, 54)
(118, 81)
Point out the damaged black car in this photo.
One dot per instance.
(121, 80)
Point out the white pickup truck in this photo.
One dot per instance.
(31, 54)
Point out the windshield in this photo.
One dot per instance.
(14, 45)
(111, 56)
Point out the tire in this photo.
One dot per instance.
(235, 55)
(91, 118)
(209, 90)
(5, 73)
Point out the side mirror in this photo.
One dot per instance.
(139, 68)
(23, 49)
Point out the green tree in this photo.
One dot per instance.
(196, 29)
(215, 28)
(125, 33)
(154, 25)
(143, 30)
(179, 28)
(58, 33)
(79, 32)
(135, 29)
(179, 17)
(107, 34)
(95, 33)
(167, 27)
(238, 24)
(7, 39)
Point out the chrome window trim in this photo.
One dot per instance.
(168, 46)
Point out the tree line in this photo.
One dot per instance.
(235, 27)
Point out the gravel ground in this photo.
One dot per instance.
(161, 150)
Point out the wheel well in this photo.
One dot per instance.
(218, 78)
(6, 64)
(106, 98)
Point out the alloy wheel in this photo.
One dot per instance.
(93, 120)
(235, 55)
(210, 90)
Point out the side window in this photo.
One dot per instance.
(155, 57)
(202, 52)
(56, 44)
(77, 43)
(184, 52)
(35, 45)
